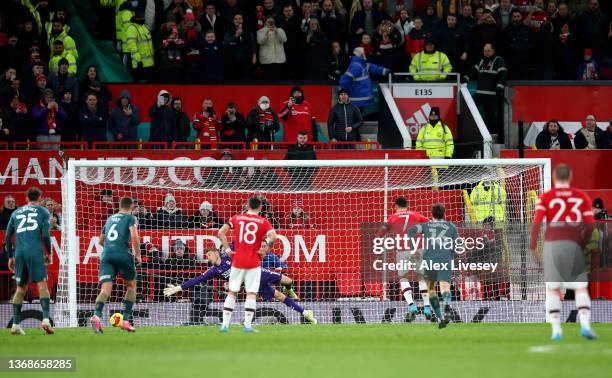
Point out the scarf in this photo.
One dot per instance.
(50, 116)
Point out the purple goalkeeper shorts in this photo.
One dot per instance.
(268, 279)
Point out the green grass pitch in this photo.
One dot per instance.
(374, 350)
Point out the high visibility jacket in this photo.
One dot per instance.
(107, 3)
(430, 66)
(54, 62)
(119, 29)
(49, 27)
(436, 140)
(489, 203)
(125, 19)
(139, 45)
(69, 44)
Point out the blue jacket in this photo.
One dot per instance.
(356, 80)
(118, 122)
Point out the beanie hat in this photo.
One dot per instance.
(343, 90)
(206, 206)
(189, 16)
(435, 111)
(588, 52)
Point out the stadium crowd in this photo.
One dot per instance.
(44, 98)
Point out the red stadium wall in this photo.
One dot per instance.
(244, 96)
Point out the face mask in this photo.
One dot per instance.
(231, 111)
(298, 99)
(264, 106)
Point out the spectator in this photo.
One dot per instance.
(92, 120)
(492, 74)
(172, 53)
(124, 119)
(181, 260)
(590, 137)
(489, 200)
(176, 11)
(183, 127)
(593, 27)
(298, 217)
(12, 89)
(6, 129)
(264, 178)
(503, 14)
(356, 80)
(486, 31)
(206, 123)
(29, 79)
(163, 122)
(588, 68)
(228, 9)
(101, 208)
(271, 51)
(211, 58)
(63, 80)
(37, 93)
(239, 50)
(293, 52)
(553, 137)
(338, 61)
(58, 54)
(365, 21)
(518, 43)
(547, 52)
(17, 120)
(8, 206)
(536, 16)
(233, 125)
(404, 24)
(430, 64)
(190, 31)
(599, 210)
(563, 17)
(431, 22)
(263, 122)
(146, 220)
(170, 216)
(296, 114)
(344, 120)
(415, 39)
(72, 129)
(48, 117)
(50, 205)
(454, 43)
(435, 137)
(316, 47)
(140, 53)
(332, 23)
(386, 42)
(608, 135)
(301, 178)
(566, 47)
(367, 46)
(205, 218)
(467, 20)
(210, 21)
(92, 80)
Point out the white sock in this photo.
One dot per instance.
(583, 304)
(424, 293)
(228, 309)
(553, 309)
(249, 312)
(406, 291)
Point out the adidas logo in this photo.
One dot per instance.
(418, 118)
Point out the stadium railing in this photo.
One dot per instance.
(363, 145)
(283, 145)
(39, 145)
(197, 145)
(136, 145)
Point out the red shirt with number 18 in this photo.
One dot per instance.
(250, 231)
(567, 211)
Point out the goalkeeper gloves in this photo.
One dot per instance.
(172, 289)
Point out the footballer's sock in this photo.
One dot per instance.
(228, 308)
(424, 293)
(291, 303)
(435, 304)
(446, 297)
(17, 303)
(45, 302)
(128, 304)
(100, 301)
(553, 305)
(406, 291)
(249, 311)
(583, 303)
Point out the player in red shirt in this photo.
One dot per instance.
(253, 236)
(398, 224)
(569, 219)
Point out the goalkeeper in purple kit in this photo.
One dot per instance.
(221, 264)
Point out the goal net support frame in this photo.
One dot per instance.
(67, 303)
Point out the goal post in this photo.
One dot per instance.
(326, 213)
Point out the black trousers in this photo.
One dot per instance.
(490, 107)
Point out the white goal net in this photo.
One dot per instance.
(326, 213)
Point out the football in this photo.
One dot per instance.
(116, 319)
